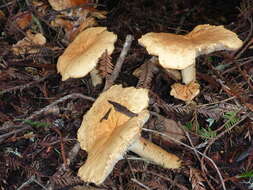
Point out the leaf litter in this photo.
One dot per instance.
(219, 120)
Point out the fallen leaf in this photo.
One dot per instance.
(196, 179)
(27, 44)
(169, 128)
(23, 19)
(59, 5)
(2, 15)
(73, 27)
(89, 22)
(41, 7)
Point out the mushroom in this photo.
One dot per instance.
(179, 51)
(107, 134)
(82, 55)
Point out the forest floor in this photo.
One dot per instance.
(40, 114)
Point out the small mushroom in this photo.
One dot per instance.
(185, 92)
(107, 134)
(179, 51)
(82, 55)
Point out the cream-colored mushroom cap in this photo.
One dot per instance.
(179, 51)
(94, 129)
(111, 127)
(104, 155)
(102, 133)
(82, 55)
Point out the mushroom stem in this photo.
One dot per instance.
(154, 153)
(189, 74)
(96, 79)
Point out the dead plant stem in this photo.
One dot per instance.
(115, 73)
(23, 86)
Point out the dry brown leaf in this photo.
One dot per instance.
(169, 128)
(40, 6)
(99, 14)
(59, 5)
(23, 19)
(27, 44)
(89, 22)
(66, 24)
(185, 92)
(196, 179)
(73, 27)
(78, 18)
(2, 15)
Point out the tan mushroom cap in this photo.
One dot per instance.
(95, 129)
(179, 51)
(104, 155)
(185, 92)
(82, 55)
(107, 134)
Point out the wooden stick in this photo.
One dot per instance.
(110, 80)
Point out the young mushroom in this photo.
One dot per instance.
(179, 51)
(108, 131)
(82, 55)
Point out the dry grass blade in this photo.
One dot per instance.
(105, 66)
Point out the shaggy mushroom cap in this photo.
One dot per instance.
(82, 55)
(179, 51)
(111, 127)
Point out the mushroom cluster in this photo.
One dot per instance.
(113, 124)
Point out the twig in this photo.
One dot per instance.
(35, 19)
(217, 137)
(62, 147)
(248, 41)
(63, 168)
(64, 98)
(23, 86)
(194, 149)
(29, 181)
(110, 80)
(140, 184)
(224, 132)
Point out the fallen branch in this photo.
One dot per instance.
(115, 73)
